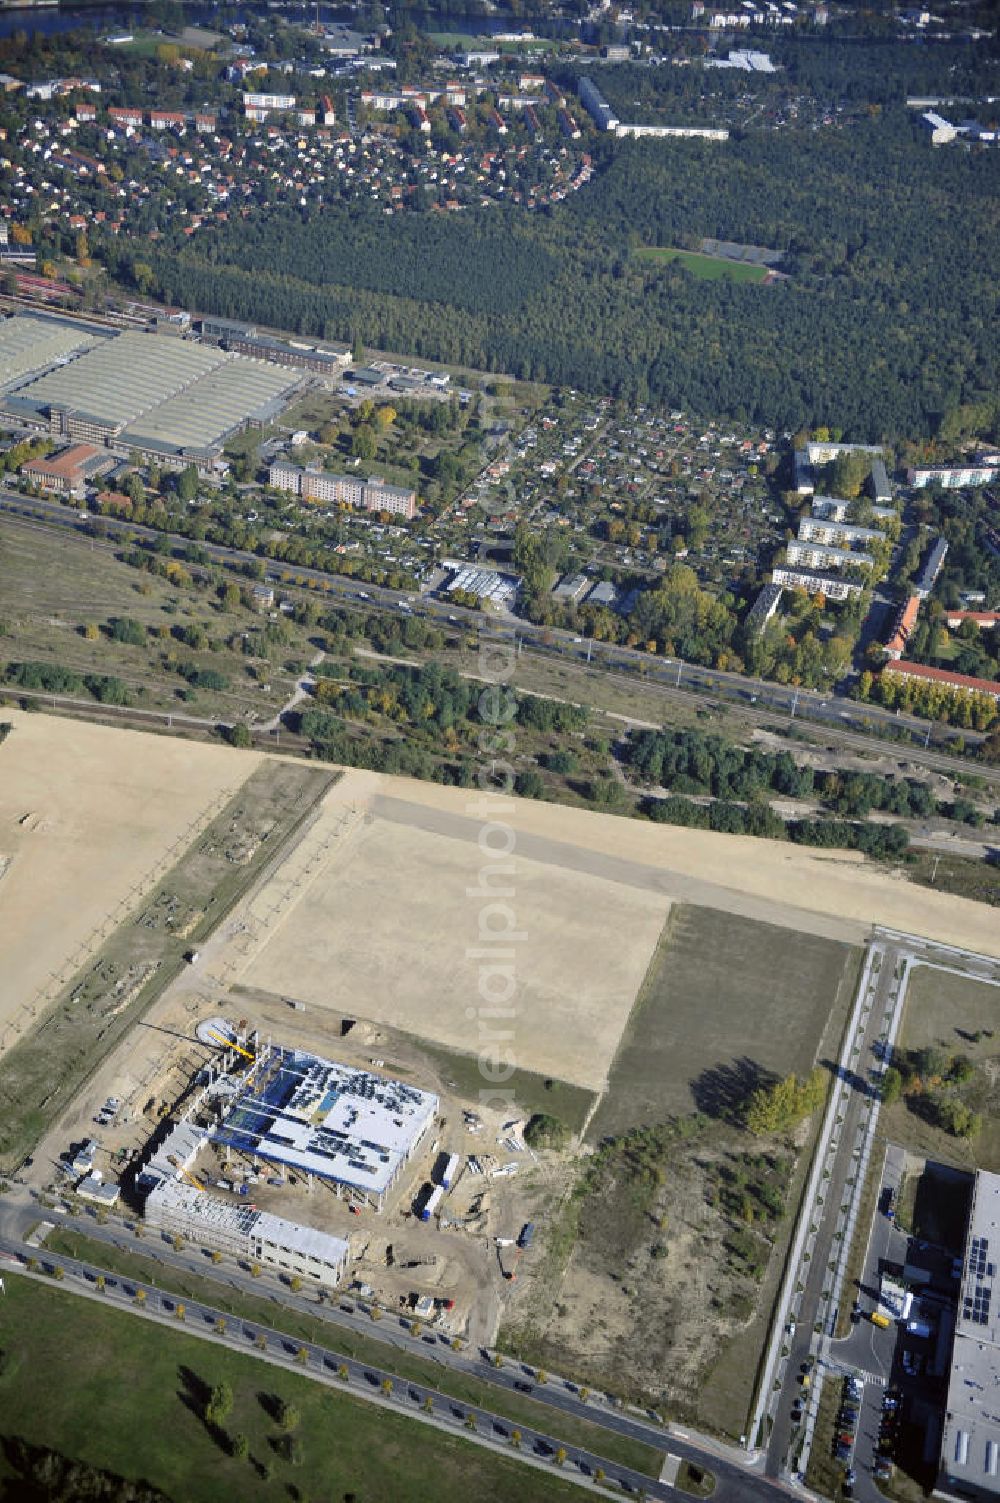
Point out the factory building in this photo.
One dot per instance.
(166, 398)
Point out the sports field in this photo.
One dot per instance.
(706, 268)
(89, 818)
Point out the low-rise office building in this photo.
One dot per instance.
(244, 1232)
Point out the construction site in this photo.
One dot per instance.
(324, 1172)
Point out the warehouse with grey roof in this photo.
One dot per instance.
(165, 398)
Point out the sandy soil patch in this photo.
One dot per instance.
(88, 817)
(387, 930)
(837, 894)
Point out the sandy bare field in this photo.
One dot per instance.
(837, 894)
(384, 931)
(88, 814)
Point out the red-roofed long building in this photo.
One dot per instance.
(983, 619)
(903, 625)
(948, 680)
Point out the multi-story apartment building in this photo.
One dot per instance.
(833, 586)
(822, 556)
(371, 494)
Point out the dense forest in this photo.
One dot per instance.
(833, 76)
(885, 327)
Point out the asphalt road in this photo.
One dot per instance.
(867, 1351)
(734, 1482)
(803, 1345)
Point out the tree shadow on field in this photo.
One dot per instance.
(849, 1077)
(194, 1394)
(724, 1090)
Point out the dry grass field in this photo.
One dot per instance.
(55, 586)
(90, 818)
(659, 1279)
(833, 894)
(726, 1001)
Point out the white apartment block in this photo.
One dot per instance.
(370, 494)
(952, 477)
(821, 556)
(833, 586)
(837, 534)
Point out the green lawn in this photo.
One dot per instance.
(957, 1015)
(118, 1392)
(532, 1093)
(520, 1410)
(708, 268)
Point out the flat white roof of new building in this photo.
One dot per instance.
(970, 1447)
(29, 345)
(242, 1221)
(328, 1119)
